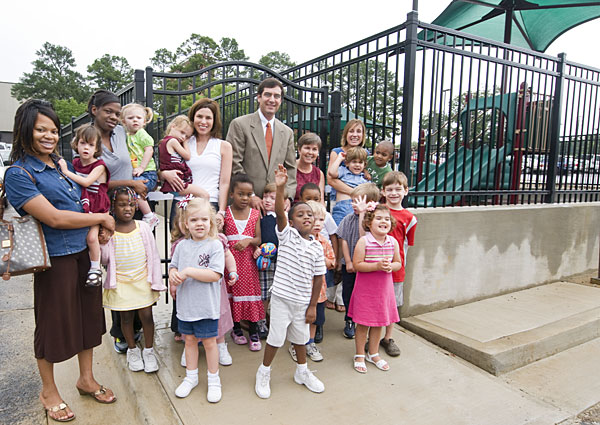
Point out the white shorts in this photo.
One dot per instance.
(288, 318)
(399, 293)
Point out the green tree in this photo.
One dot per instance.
(229, 50)
(163, 60)
(277, 61)
(53, 77)
(67, 108)
(110, 72)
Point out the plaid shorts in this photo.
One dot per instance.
(266, 280)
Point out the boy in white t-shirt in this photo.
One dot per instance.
(296, 286)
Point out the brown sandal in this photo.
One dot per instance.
(96, 394)
(340, 308)
(58, 408)
(329, 305)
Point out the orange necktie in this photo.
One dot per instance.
(269, 139)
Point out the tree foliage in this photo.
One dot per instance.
(53, 77)
(110, 73)
(277, 61)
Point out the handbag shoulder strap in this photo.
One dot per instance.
(3, 194)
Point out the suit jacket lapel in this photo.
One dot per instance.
(259, 138)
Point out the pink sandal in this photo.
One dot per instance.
(238, 339)
(255, 344)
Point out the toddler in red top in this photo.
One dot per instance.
(394, 189)
(93, 176)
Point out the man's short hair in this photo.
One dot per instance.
(269, 83)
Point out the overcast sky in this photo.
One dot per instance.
(135, 29)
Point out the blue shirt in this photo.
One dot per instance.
(58, 189)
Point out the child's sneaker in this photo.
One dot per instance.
(238, 338)
(262, 386)
(134, 359)
(390, 347)
(152, 221)
(309, 380)
(184, 389)
(263, 329)
(255, 344)
(120, 346)
(292, 351)
(349, 329)
(150, 361)
(224, 356)
(313, 352)
(213, 394)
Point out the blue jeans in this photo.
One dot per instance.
(152, 178)
(341, 210)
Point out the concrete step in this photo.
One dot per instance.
(507, 332)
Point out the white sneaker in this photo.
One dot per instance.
(292, 351)
(313, 352)
(224, 356)
(152, 221)
(309, 380)
(263, 387)
(183, 363)
(184, 389)
(150, 361)
(214, 389)
(134, 359)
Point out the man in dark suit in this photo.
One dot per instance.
(260, 142)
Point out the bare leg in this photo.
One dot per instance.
(221, 340)
(49, 395)
(148, 325)
(388, 331)
(374, 336)
(93, 244)
(86, 381)
(270, 352)
(127, 327)
(144, 206)
(212, 354)
(300, 353)
(360, 338)
(191, 352)
(195, 190)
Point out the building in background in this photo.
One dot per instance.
(8, 107)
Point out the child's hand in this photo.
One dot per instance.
(341, 157)
(233, 278)
(367, 174)
(175, 277)
(242, 245)
(256, 253)
(311, 314)
(281, 176)
(63, 165)
(360, 203)
(385, 265)
(220, 222)
(173, 291)
(350, 267)
(104, 235)
(137, 171)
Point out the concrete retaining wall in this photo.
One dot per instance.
(463, 254)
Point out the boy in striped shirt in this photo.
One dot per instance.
(296, 286)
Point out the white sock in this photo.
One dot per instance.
(149, 215)
(301, 367)
(212, 375)
(95, 265)
(264, 368)
(149, 350)
(192, 374)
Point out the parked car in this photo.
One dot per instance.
(5, 149)
(592, 163)
(535, 162)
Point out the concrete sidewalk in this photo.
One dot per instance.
(426, 385)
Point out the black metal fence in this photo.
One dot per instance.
(474, 122)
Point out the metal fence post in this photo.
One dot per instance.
(555, 130)
(323, 121)
(138, 87)
(408, 93)
(335, 116)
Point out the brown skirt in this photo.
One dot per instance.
(68, 317)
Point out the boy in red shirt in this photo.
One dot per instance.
(394, 189)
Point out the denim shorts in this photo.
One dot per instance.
(152, 178)
(341, 210)
(205, 328)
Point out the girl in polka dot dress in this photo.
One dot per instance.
(242, 228)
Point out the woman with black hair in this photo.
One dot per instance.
(68, 315)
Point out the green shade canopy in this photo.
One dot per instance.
(533, 24)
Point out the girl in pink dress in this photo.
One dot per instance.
(92, 175)
(373, 303)
(242, 228)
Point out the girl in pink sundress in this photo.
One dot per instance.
(242, 228)
(373, 302)
(92, 175)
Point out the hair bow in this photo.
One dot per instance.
(372, 205)
(184, 202)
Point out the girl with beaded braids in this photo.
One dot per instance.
(134, 279)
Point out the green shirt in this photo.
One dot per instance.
(376, 172)
(136, 144)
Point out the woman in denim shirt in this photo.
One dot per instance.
(69, 317)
